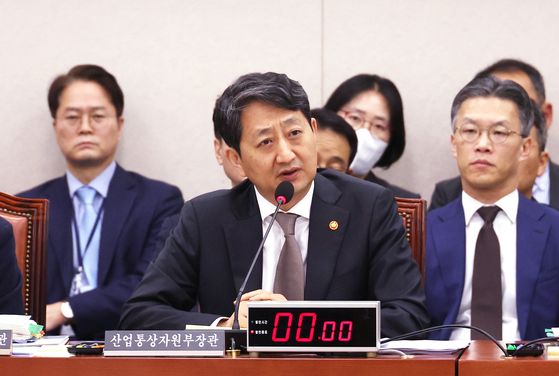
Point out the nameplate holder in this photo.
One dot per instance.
(164, 343)
(5, 342)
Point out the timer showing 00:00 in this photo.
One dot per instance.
(306, 328)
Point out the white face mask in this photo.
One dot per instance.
(369, 151)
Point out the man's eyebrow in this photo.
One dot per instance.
(262, 132)
(66, 109)
(474, 121)
(291, 120)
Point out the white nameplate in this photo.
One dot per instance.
(164, 343)
(5, 342)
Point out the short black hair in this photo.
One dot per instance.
(87, 73)
(540, 124)
(364, 82)
(513, 65)
(492, 87)
(270, 88)
(326, 119)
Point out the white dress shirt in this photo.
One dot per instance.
(274, 242)
(540, 190)
(505, 228)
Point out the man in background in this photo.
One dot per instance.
(546, 187)
(103, 220)
(492, 255)
(336, 141)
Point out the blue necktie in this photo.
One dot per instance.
(90, 254)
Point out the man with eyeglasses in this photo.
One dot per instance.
(103, 220)
(545, 188)
(492, 255)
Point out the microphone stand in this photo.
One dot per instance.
(236, 335)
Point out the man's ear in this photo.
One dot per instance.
(313, 125)
(547, 109)
(349, 171)
(526, 148)
(453, 145)
(119, 124)
(217, 149)
(235, 160)
(543, 159)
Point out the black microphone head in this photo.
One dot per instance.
(284, 192)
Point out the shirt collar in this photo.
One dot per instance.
(100, 183)
(509, 205)
(302, 208)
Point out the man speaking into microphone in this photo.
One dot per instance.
(338, 238)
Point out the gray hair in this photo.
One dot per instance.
(492, 87)
(270, 88)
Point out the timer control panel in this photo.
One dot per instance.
(313, 326)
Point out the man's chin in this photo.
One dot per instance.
(88, 162)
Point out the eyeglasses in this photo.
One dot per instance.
(497, 133)
(358, 121)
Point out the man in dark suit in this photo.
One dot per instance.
(350, 242)
(546, 188)
(11, 300)
(103, 220)
(512, 294)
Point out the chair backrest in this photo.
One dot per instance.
(412, 211)
(29, 219)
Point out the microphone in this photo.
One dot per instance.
(284, 194)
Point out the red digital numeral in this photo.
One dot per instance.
(301, 317)
(288, 331)
(324, 327)
(348, 323)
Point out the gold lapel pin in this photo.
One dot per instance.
(333, 225)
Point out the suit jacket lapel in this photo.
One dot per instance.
(117, 206)
(449, 236)
(243, 235)
(324, 243)
(531, 236)
(60, 237)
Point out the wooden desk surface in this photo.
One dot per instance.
(101, 366)
(485, 358)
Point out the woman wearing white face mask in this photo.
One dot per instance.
(373, 107)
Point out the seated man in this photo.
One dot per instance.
(351, 244)
(545, 190)
(103, 220)
(336, 141)
(11, 300)
(492, 255)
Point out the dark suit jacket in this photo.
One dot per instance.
(449, 190)
(135, 208)
(396, 191)
(209, 253)
(537, 267)
(11, 300)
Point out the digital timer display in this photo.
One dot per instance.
(318, 326)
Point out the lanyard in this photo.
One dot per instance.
(77, 232)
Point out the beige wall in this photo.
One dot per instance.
(173, 58)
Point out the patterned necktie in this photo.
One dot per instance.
(487, 310)
(290, 280)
